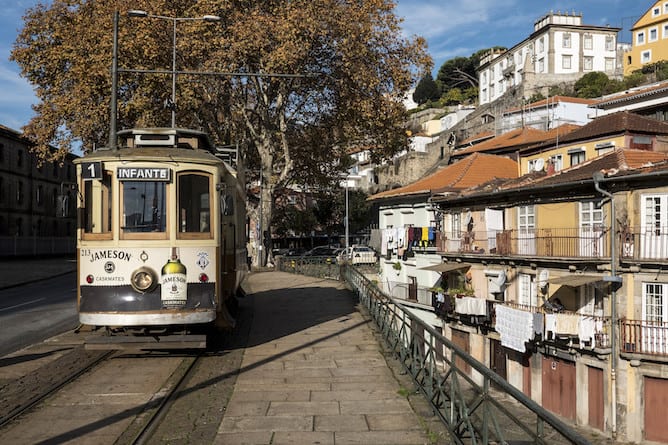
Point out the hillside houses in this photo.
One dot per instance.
(579, 221)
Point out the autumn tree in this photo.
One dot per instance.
(298, 82)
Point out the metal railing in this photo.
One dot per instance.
(458, 387)
(556, 242)
(644, 337)
(312, 266)
(644, 243)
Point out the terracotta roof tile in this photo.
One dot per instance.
(471, 171)
(616, 123)
(517, 139)
(614, 161)
(630, 95)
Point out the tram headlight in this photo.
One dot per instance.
(144, 279)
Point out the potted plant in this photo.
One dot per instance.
(397, 266)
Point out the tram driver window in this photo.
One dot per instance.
(194, 201)
(97, 206)
(143, 206)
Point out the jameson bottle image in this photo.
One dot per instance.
(173, 283)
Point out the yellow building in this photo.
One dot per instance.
(602, 135)
(650, 38)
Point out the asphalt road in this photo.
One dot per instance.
(33, 312)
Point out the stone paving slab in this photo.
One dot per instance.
(314, 372)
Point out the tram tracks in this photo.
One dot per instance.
(144, 427)
(18, 397)
(137, 395)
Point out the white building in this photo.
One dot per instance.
(548, 113)
(560, 49)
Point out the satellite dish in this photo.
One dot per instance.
(539, 165)
(501, 279)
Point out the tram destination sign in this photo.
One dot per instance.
(144, 174)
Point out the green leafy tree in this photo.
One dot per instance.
(354, 63)
(460, 72)
(426, 90)
(591, 85)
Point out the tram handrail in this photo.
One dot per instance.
(473, 420)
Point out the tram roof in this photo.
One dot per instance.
(165, 137)
(150, 143)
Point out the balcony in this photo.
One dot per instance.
(644, 337)
(633, 243)
(644, 243)
(563, 330)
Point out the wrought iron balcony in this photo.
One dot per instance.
(557, 242)
(644, 337)
(635, 243)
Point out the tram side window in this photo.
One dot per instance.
(97, 205)
(143, 206)
(194, 203)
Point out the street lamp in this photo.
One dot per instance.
(347, 224)
(207, 18)
(346, 178)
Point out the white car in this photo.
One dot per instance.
(357, 255)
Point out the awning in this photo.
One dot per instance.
(446, 267)
(575, 280)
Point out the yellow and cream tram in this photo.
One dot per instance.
(161, 236)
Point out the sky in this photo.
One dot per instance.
(452, 28)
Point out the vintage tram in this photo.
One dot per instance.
(161, 239)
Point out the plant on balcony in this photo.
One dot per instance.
(397, 266)
(462, 291)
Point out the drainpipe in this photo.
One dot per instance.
(615, 281)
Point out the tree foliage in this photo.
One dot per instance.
(426, 90)
(353, 58)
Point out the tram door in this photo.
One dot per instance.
(228, 242)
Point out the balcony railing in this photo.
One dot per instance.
(535, 242)
(648, 243)
(635, 243)
(644, 337)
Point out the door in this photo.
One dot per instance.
(461, 339)
(654, 220)
(656, 400)
(591, 230)
(527, 289)
(498, 358)
(412, 288)
(526, 375)
(559, 387)
(654, 330)
(526, 226)
(494, 223)
(595, 396)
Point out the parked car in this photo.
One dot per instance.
(322, 251)
(357, 255)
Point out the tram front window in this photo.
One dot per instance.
(143, 206)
